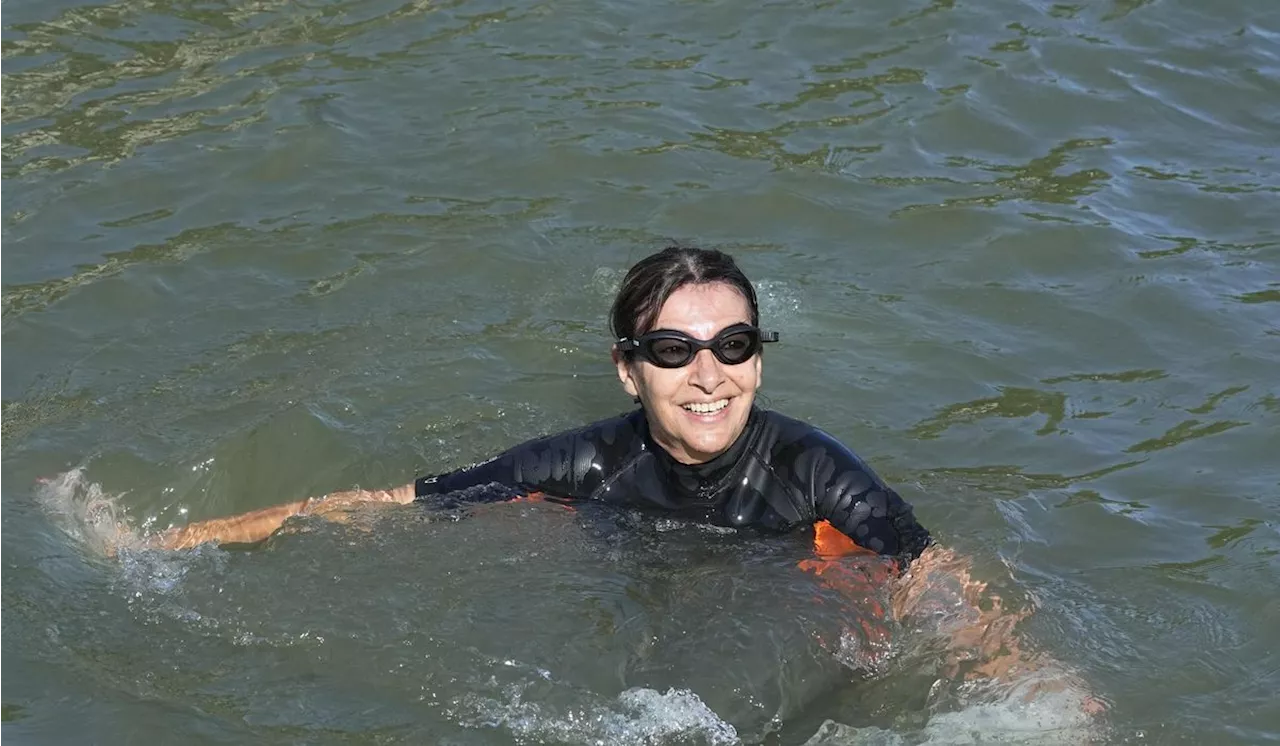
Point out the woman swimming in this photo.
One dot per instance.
(688, 348)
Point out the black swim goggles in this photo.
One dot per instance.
(667, 348)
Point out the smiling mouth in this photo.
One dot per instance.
(706, 407)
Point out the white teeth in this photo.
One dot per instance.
(708, 407)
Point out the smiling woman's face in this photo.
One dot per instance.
(696, 412)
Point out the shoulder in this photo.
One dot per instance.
(623, 428)
(841, 488)
(806, 455)
(566, 464)
(784, 435)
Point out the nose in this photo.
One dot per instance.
(705, 371)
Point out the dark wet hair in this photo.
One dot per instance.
(653, 279)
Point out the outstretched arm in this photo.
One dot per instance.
(530, 467)
(257, 525)
(566, 465)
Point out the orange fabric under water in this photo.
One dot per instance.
(860, 584)
(539, 497)
(829, 542)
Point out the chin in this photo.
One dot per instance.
(704, 441)
(708, 451)
(710, 446)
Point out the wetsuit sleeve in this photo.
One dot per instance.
(563, 465)
(848, 494)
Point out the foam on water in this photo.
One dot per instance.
(1056, 719)
(637, 716)
(646, 716)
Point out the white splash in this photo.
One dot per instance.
(1052, 719)
(638, 716)
(151, 579)
(87, 514)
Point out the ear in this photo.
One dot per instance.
(624, 373)
(759, 363)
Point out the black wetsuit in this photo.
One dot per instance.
(779, 474)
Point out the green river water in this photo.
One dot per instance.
(1024, 257)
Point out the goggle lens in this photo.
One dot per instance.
(668, 353)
